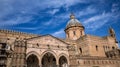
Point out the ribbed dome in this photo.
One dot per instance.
(73, 22)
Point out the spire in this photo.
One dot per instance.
(111, 31)
(72, 16)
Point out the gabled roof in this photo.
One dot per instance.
(47, 35)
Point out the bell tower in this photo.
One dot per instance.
(74, 29)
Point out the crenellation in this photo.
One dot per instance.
(13, 33)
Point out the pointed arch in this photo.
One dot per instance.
(48, 51)
(33, 59)
(32, 52)
(66, 56)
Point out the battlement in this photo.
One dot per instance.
(14, 33)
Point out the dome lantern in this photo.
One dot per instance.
(72, 16)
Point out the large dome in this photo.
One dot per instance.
(73, 22)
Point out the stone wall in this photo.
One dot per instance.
(98, 62)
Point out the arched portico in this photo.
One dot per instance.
(48, 58)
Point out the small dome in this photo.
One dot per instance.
(73, 22)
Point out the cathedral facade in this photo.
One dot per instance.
(18, 49)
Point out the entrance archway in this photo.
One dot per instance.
(48, 60)
(63, 62)
(32, 61)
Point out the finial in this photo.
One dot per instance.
(111, 28)
(72, 16)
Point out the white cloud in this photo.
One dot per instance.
(53, 11)
(26, 7)
(86, 11)
(115, 7)
(55, 21)
(59, 3)
(97, 21)
(60, 33)
(78, 14)
(15, 20)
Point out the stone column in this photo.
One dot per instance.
(40, 62)
(57, 62)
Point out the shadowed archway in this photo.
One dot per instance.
(63, 62)
(48, 60)
(32, 61)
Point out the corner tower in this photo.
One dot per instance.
(74, 29)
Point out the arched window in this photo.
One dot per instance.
(68, 35)
(88, 62)
(81, 32)
(80, 50)
(96, 48)
(106, 47)
(113, 47)
(74, 33)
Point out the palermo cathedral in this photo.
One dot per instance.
(18, 49)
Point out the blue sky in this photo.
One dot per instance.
(51, 16)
